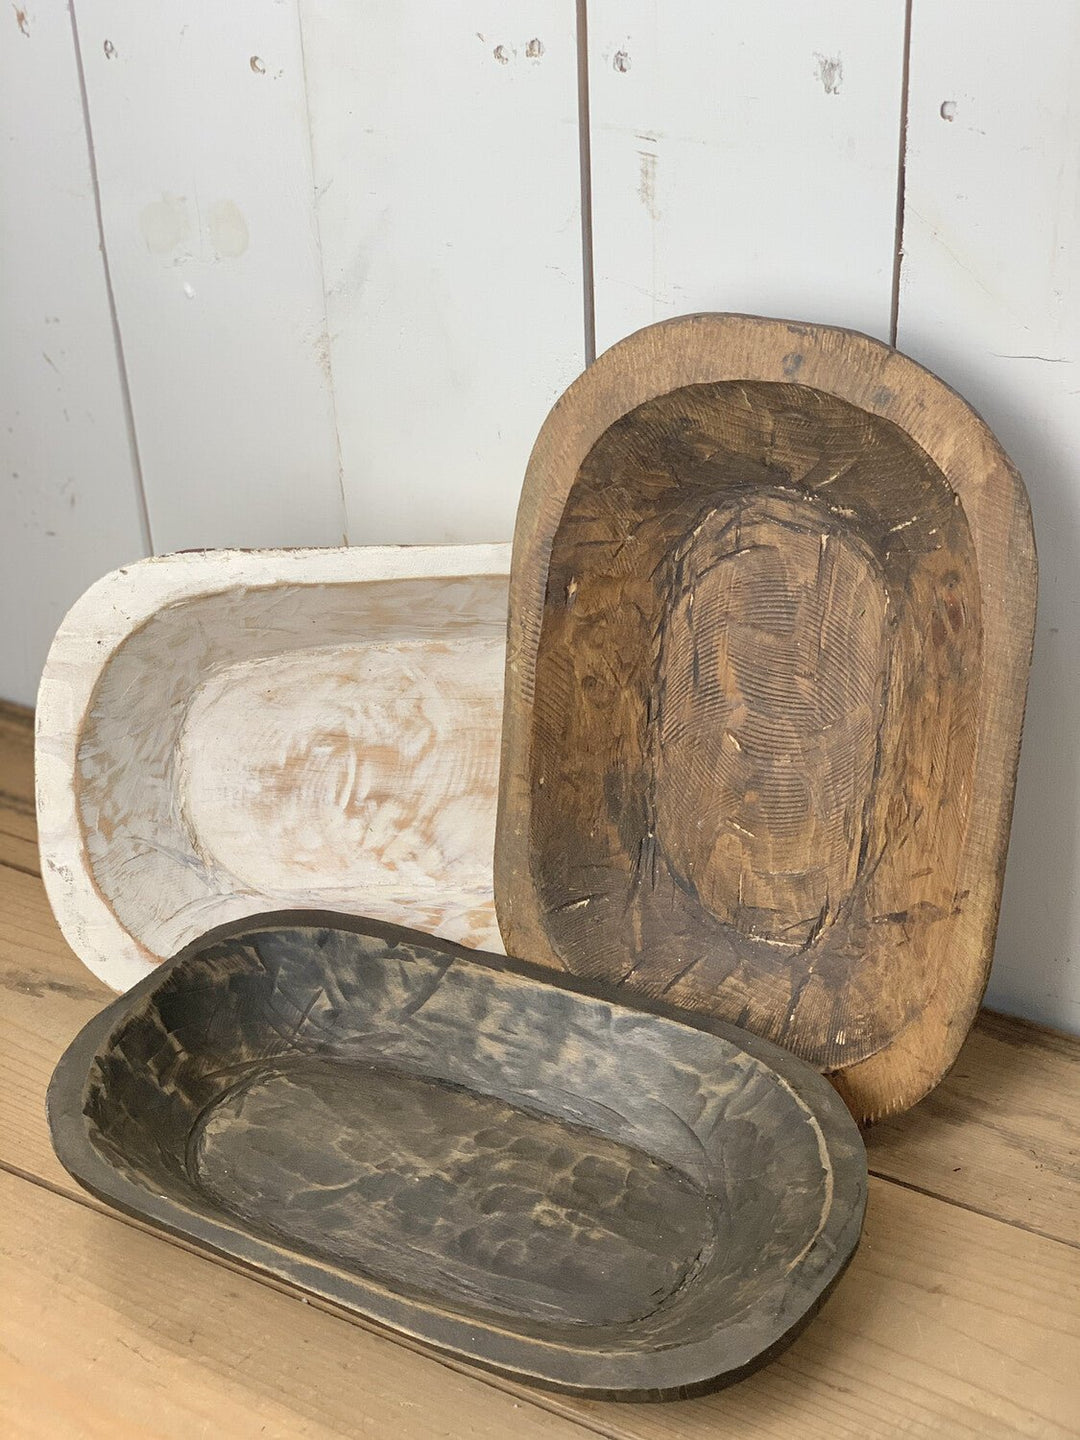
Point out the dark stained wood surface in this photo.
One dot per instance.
(604, 1200)
(757, 759)
(951, 1319)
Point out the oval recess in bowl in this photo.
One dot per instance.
(769, 814)
(332, 756)
(524, 1173)
(226, 732)
(480, 1197)
(770, 622)
(771, 683)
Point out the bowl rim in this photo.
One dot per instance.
(665, 1373)
(98, 623)
(708, 348)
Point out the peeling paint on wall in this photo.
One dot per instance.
(830, 69)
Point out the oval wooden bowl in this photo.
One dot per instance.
(771, 612)
(523, 1173)
(224, 732)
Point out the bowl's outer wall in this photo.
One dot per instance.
(704, 350)
(112, 617)
(708, 1361)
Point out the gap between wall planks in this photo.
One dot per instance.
(744, 160)
(947, 1318)
(69, 485)
(446, 167)
(199, 133)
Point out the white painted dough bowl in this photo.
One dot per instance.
(226, 732)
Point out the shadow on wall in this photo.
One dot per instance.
(1033, 970)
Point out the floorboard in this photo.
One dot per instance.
(957, 1316)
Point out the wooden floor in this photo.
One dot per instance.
(960, 1315)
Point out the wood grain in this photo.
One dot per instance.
(1001, 1133)
(938, 1327)
(997, 1135)
(326, 734)
(336, 759)
(16, 751)
(768, 768)
(109, 1332)
(18, 823)
(947, 1323)
(945, 1371)
(753, 758)
(900, 1345)
(531, 1177)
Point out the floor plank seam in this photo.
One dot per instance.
(972, 1209)
(19, 804)
(15, 834)
(96, 1207)
(876, 1173)
(22, 869)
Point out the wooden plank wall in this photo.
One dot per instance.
(446, 165)
(70, 505)
(744, 157)
(199, 129)
(990, 299)
(350, 271)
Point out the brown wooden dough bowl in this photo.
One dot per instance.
(521, 1172)
(771, 611)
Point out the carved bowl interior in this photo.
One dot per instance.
(771, 610)
(225, 733)
(755, 721)
(528, 1175)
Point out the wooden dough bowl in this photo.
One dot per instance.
(771, 613)
(525, 1174)
(225, 732)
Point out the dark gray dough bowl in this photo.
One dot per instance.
(523, 1172)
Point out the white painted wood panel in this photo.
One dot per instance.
(199, 127)
(990, 299)
(69, 505)
(744, 157)
(445, 143)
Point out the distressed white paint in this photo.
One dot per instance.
(325, 735)
(369, 723)
(445, 144)
(990, 298)
(199, 127)
(744, 157)
(69, 505)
